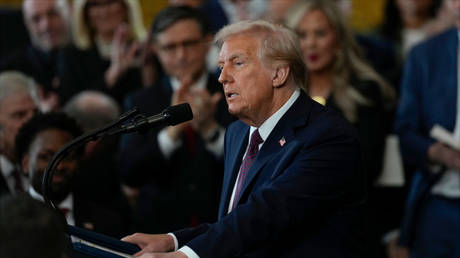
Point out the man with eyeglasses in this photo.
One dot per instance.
(178, 170)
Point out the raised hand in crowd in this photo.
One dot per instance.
(123, 56)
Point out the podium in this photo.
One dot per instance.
(93, 244)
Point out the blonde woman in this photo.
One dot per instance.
(107, 35)
(340, 78)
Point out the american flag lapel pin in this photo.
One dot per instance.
(282, 141)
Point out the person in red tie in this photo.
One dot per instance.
(293, 184)
(18, 103)
(178, 170)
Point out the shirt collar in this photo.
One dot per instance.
(199, 84)
(267, 127)
(67, 203)
(6, 166)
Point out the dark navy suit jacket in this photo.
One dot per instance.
(302, 198)
(428, 97)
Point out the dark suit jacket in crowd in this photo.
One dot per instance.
(180, 191)
(300, 199)
(85, 70)
(428, 97)
(41, 66)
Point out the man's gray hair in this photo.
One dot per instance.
(92, 109)
(13, 82)
(279, 44)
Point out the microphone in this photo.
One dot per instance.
(171, 116)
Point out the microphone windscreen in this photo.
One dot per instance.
(178, 114)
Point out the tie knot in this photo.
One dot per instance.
(256, 139)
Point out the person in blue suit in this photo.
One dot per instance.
(430, 97)
(293, 184)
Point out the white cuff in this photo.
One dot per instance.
(167, 146)
(189, 252)
(176, 243)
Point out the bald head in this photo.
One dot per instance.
(92, 109)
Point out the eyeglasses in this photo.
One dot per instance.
(186, 44)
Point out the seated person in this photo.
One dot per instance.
(36, 143)
(29, 228)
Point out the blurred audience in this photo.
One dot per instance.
(29, 228)
(178, 169)
(36, 143)
(18, 103)
(277, 10)
(107, 35)
(99, 165)
(340, 78)
(47, 22)
(430, 97)
(408, 22)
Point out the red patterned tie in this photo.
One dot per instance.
(246, 164)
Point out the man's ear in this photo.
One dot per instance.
(280, 75)
(25, 164)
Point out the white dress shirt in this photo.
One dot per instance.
(7, 169)
(67, 204)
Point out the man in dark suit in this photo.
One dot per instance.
(47, 22)
(293, 186)
(430, 97)
(18, 103)
(178, 170)
(36, 143)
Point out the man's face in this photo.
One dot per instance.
(246, 80)
(42, 149)
(15, 110)
(454, 6)
(46, 24)
(182, 49)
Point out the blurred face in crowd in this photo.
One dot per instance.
(414, 7)
(454, 6)
(41, 150)
(182, 49)
(15, 110)
(46, 22)
(277, 9)
(246, 79)
(318, 41)
(104, 16)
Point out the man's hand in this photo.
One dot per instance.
(180, 96)
(150, 243)
(445, 155)
(177, 254)
(204, 106)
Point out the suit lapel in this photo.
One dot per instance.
(296, 116)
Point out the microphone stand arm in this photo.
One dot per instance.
(111, 129)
